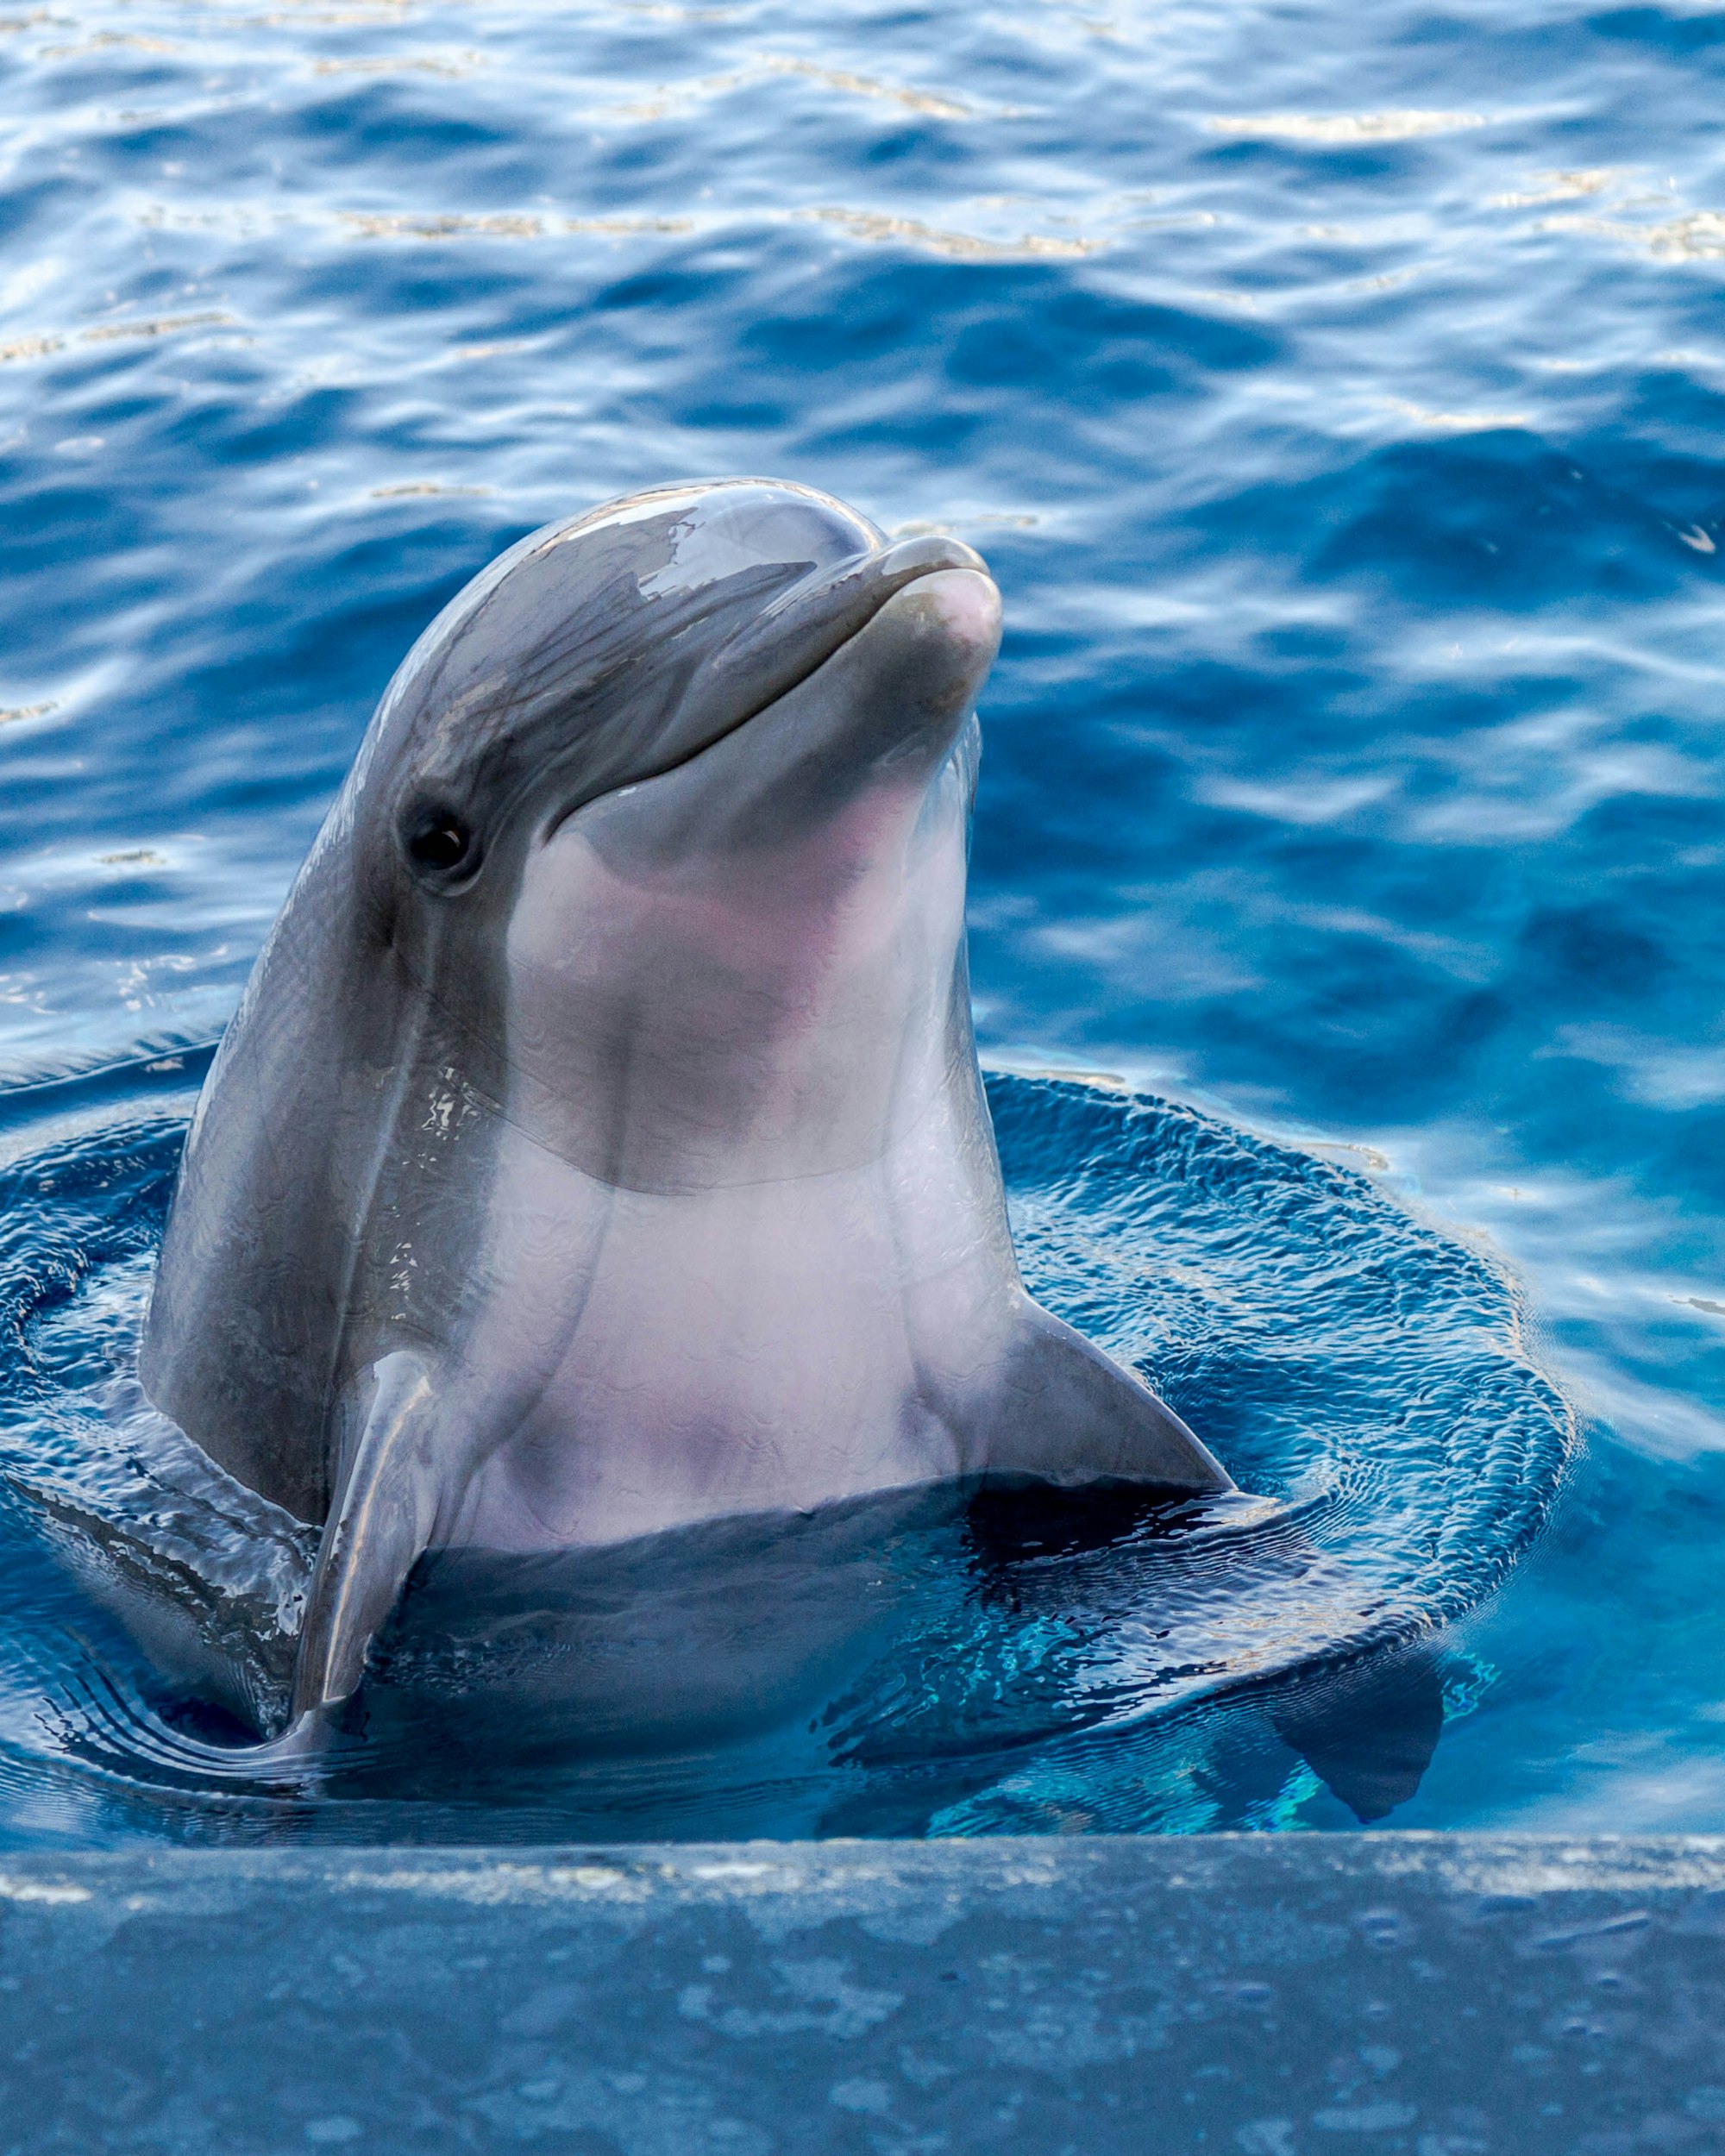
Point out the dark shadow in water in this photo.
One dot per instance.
(677, 1642)
(895, 1657)
(1368, 1730)
(1011, 1519)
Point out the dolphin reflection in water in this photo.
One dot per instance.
(598, 1151)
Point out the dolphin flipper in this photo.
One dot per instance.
(1067, 1412)
(382, 1518)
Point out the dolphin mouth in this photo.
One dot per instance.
(778, 650)
(804, 626)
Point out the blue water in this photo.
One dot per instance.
(1335, 393)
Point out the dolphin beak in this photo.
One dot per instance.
(773, 650)
(804, 626)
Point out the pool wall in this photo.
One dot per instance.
(1443, 1994)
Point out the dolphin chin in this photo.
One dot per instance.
(600, 1148)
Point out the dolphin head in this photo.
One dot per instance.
(665, 813)
(612, 646)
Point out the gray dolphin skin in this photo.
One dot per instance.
(599, 1145)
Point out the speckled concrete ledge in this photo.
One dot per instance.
(1446, 1996)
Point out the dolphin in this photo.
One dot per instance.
(599, 1147)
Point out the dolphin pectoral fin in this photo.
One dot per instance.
(304, 1752)
(380, 1521)
(1067, 1412)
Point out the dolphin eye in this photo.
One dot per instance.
(438, 840)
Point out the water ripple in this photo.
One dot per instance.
(889, 1662)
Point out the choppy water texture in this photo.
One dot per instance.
(1336, 393)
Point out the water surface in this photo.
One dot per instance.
(1336, 398)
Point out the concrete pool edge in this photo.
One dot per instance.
(1444, 1994)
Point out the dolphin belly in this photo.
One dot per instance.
(728, 1351)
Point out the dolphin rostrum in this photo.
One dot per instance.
(599, 1145)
